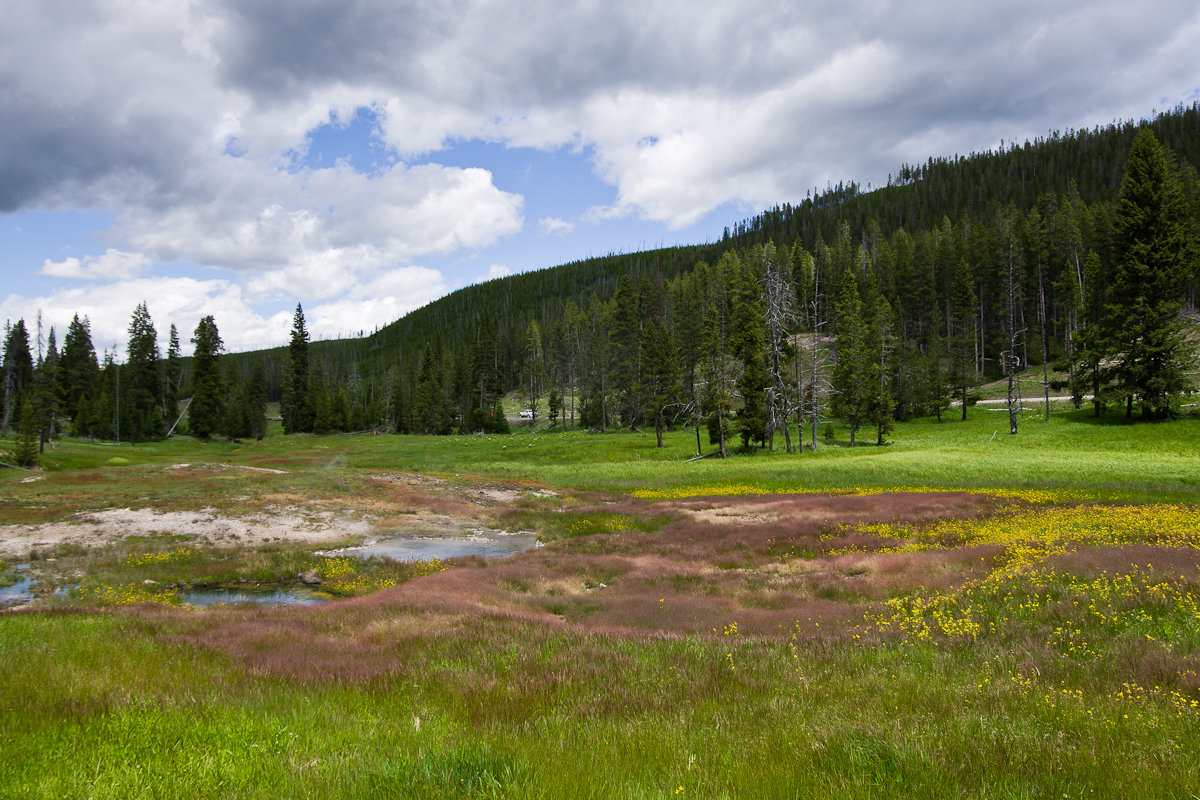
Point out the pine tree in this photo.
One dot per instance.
(594, 412)
(962, 332)
(78, 370)
(747, 343)
(624, 340)
(716, 400)
(660, 372)
(322, 406)
(535, 366)
(18, 372)
(431, 413)
(1153, 257)
(45, 392)
(296, 402)
(256, 401)
(206, 411)
(340, 414)
(882, 408)
(141, 394)
(554, 407)
(235, 417)
(25, 454)
(853, 374)
(172, 376)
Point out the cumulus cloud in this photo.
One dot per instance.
(179, 301)
(684, 111)
(370, 302)
(265, 220)
(112, 265)
(555, 226)
(188, 120)
(494, 271)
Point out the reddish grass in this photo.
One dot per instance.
(773, 577)
(1182, 563)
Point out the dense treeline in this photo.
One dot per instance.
(70, 390)
(1055, 195)
(867, 306)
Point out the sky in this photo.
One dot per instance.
(364, 157)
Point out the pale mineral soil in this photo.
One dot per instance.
(101, 528)
(391, 504)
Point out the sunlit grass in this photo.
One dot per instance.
(1042, 674)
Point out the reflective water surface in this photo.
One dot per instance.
(425, 548)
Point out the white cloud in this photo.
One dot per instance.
(179, 301)
(365, 302)
(186, 121)
(494, 271)
(372, 304)
(112, 265)
(256, 218)
(554, 226)
(683, 111)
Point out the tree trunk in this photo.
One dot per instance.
(1011, 356)
(1045, 346)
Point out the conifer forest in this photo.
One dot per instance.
(1075, 255)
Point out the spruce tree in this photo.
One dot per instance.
(1153, 257)
(747, 343)
(962, 331)
(206, 411)
(624, 340)
(25, 454)
(17, 372)
(535, 366)
(256, 401)
(882, 408)
(235, 416)
(45, 393)
(1089, 346)
(141, 392)
(716, 400)
(853, 373)
(172, 376)
(660, 374)
(78, 370)
(322, 406)
(296, 401)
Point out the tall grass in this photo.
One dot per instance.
(1055, 663)
(105, 711)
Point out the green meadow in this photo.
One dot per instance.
(1028, 625)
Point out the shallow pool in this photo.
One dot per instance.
(273, 596)
(19, 592)
(410, 547)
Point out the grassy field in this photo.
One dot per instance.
(1023, 620)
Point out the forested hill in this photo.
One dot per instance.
(1089, 162)
(1083, 166)
(957, 271)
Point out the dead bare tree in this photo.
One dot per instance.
(781, 316)
(1009, 357)
(819, 386)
